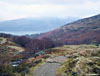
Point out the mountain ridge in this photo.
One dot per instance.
(33, 24)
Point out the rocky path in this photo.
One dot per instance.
(49, 68)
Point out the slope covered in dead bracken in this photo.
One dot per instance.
(78, 32)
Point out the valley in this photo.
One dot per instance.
(70, 50)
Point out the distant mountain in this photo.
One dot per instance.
(78, 32)
(33, 25)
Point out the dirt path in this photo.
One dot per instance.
(48, 69)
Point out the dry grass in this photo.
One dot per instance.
(81, 60)
(2, 40)
(20, 49)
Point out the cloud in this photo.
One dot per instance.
(48, 1)
(14, 9)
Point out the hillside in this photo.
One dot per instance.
(78, 32)
(81, 60)
(6, 45)
(32, 25)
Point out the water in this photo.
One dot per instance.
(21, 32)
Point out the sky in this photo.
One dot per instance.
(15, 9)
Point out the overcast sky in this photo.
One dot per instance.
(15, 9)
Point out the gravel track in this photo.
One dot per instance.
(48, 69)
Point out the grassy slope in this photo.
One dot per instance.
(2, 40)
(7, 44)
(20, 49)
(81, 60)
